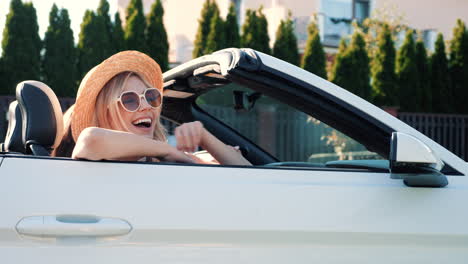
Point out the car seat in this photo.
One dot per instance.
(13, 140)
(42, 118)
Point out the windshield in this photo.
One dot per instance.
(284, 132)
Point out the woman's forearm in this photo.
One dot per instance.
(223, 153)
(99, 143)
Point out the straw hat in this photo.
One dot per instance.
(98, 76)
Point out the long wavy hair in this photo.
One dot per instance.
(67, 144)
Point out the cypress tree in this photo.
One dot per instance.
(59, 58)
(262, 31)
(285, 46)
(21, 46)
(458, 66)
(341, 71)
(132, 7)
(440, 78)
(255, 31)
(34, 41)
(407, 75)
(135, 27)
(118, 34)
(89, 50)
(422, 66)
(216, 38)
(105, 24)
(360, 70)
(103, 11)
(231, 28)
(11, 36)
(204, 24)
(248, 37)
(384, 80)
(280, 46)
(156, 36)
(314, 59)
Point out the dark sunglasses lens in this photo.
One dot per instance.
(131, 101)
(153, 97)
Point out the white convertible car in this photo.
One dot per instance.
(335, 180)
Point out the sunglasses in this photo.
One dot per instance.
(131, 101)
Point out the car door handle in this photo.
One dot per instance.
(72, 225)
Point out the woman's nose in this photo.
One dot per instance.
(144, 105)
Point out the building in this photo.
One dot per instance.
(429, 17)
(333, 16)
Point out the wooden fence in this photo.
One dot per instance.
(295, 136)
(448, 130)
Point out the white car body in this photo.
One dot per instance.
(72, 211)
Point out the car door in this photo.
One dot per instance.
(212, 214)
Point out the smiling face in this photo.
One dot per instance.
(110, 114)
(143, 120)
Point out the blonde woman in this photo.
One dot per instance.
(116, 117)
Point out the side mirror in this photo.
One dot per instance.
(414, 162)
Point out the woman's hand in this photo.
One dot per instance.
(189, 136)
(174, 155)
(192, 135)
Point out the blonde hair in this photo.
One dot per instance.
(107, 114)
(65, 149)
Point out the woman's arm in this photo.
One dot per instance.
(104, 144)
(191, 135)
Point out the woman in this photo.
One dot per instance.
(116, 117)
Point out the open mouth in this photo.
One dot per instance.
(142, 123)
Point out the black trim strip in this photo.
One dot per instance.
(7, 156)
(393, 148)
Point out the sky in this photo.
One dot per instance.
(76, 10)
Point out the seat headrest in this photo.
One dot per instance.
(42, 122)
(13, 139)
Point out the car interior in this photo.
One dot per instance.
(182, 96)
(37, 128)
(185, 88)
(183, 91)
(35, 125)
